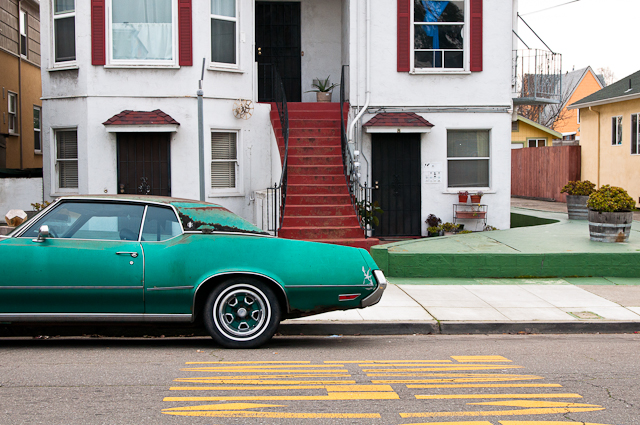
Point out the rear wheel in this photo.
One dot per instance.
(242, 313)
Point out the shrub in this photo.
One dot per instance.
(434, 229)
(611, 199)
(579, 188)
(433, 220)
(449, 227)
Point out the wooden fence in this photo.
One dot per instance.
(542, 172)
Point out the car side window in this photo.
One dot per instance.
(91, 220)
(160, 224)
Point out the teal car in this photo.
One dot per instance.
(114, 259)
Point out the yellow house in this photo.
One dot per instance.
(529, 134)
(610, 141)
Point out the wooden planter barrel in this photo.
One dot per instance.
(610, 226)
(577, 207)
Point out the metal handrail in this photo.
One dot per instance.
(278, 193)
(360, 195)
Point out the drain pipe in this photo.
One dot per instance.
(367, 74)
(598, 139)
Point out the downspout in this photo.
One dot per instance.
(598, 167)
(367, 74)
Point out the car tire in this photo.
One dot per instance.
(242, 313)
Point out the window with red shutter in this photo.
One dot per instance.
(185, 39)
(97, 33)
(431, 35)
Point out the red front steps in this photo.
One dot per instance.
(318, 204)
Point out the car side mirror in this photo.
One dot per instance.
(43, 233)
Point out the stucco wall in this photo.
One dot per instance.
(19, 194)
(568, 119)
(617, 166)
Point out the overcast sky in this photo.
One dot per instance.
(587, 32)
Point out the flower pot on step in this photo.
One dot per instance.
(323, 97)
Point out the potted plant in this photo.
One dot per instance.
(450, 228)
(433, 225)
(463, 195)
(475, 199)
(367, 211)
(323, 89)
(577, 195)
(610, 214)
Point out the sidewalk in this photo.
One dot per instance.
(480, 305)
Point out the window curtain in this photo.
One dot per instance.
(142, 30)
(433, 11)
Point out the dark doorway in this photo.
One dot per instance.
(395, 164)
(143, 164)
(278, 45)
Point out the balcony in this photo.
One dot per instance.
(536, 78)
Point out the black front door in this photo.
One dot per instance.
(278, 45)
(395, 164)
(143, 164)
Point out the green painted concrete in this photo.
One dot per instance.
(582, 281)
(522, 220)
(561, 249)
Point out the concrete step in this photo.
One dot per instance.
(312, 233)
(315, 160)
(326, 199)
(317, 210)
(317, 189)
(311, 170)
(321, 221)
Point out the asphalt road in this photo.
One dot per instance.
(473, 380)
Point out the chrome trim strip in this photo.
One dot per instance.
(144, 217)
(377, 294)
(214, 232)
(40, 288)
(330, 286)
(170, 288)
(195, 294)
(93, 317)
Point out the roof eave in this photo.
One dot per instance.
(604, 101)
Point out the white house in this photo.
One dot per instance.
(120, 82)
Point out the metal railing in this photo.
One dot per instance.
(537, 77)
(360, 195)
(277, 195)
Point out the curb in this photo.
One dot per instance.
(455, 328)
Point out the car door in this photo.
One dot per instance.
(91, 262)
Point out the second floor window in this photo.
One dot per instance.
(37, 133)
(13, 113)
(64, 30)
(142, 32)
(616, 131)
(23, 33)
(438, 34)
(224, 27)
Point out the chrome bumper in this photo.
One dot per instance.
(377, 294)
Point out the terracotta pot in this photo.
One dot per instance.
(470, 214)
(462, 199)
(475, 199)
(323, 97)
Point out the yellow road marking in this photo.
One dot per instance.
(444, 368)
(532, 403)
(264, 362)
(480, 359)
(542, 423)
(331, 396)
(276, 415)
(329, 388)
(261, 381)
(225, 406)
(485, 386)
(273, 366)
(256, 370)
(389, 361)
(455, 423)
(298, 375)
(451, 380)
(464, 396)
(541, 411)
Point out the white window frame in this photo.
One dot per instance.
(451, 189)
(63, 64)
(618, 130)
(37, 131)
(141, 63)
(537, 140)
(635, 132)
(238, 190)
(12, 108)
(222, 65)
(55, 160)
(23, 34)
(466, 48)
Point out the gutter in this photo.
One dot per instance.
(605, 101)
(367, 75)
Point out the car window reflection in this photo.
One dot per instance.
(91, 220)
(160, 224)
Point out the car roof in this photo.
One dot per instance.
(195, 215)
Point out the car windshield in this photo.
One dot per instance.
(91, 220)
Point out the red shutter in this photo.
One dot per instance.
(97, 32)
(184, 33)
(404, 34)
(476, 35)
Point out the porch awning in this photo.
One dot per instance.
(141, 121)
(397, 122)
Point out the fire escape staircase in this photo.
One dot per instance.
(318, 205)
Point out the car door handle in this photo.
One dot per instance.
(133, 254)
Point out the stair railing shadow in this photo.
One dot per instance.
(277, 195)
